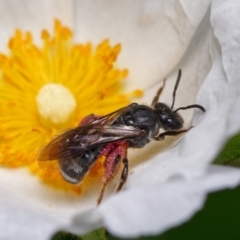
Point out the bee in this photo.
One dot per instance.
(133, 126)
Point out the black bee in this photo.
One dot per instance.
(132, 126)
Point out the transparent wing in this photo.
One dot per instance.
(85, 137)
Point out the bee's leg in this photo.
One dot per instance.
(104, 184)
(112, 165)
(161, 136)
(124, 174)
(156, 97)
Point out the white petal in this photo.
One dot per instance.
(22, 224)
(154, 34)
(31, 15)
(154, 209)
(226, 26)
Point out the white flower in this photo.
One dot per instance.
(167, 183)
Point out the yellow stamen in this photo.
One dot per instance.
(46, 89)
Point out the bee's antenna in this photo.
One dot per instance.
(191, 106)
(176, 86)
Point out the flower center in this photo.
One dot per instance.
(55, 102)
(47, 89)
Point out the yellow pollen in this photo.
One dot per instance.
(55, 102)
(47, 89)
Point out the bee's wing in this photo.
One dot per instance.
(65, 145)
(111, 117)
(85, 137)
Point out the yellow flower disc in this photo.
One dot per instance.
(52, 97)
(50, 88)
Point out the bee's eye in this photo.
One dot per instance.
(172, 123)
(129, 119)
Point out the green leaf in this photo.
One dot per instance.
(65, 236)
(230, 154)
(99, 234)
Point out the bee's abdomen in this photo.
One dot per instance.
(74, 169)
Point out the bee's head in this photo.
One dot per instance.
(168, 119)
